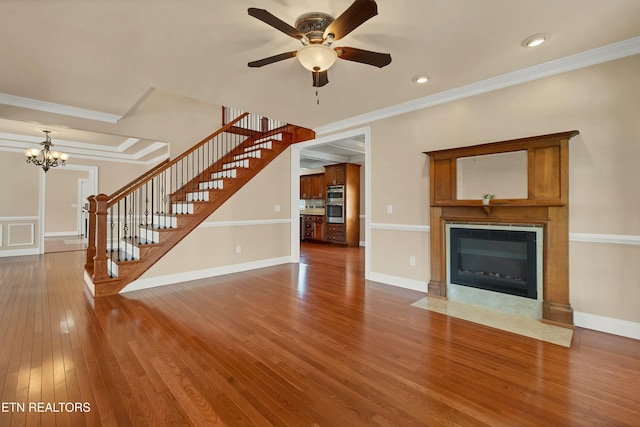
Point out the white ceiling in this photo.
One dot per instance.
(105, 56)
(350, 150)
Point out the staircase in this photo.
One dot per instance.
(133, 228)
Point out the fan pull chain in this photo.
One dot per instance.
(316, 82)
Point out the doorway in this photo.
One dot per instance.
(327, 156)
(62, 199)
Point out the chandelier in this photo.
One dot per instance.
(44, 156)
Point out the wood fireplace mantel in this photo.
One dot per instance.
(547, 204)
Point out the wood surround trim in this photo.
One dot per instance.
(546, 205)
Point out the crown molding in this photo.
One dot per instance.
(584, 59)
(51, 107)
(18, 143)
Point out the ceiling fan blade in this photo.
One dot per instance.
(364, 56)
(320, 78)
(275, 22)
(359, 12)
(272, 59)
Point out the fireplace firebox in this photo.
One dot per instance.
(499, 260)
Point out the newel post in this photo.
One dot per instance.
(100, 271)
(91, 236)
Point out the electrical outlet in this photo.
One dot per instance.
(276, 208)
(389, 209)
(412, 261)
(238, 249)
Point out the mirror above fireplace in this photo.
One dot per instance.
(503, 175)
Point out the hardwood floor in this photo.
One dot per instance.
(293, 345)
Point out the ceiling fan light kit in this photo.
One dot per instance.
(316, 57)
(317, 31)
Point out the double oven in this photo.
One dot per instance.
(334, 206)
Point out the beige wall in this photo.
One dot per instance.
(19, 208)
(19, 186)
(248, 220)
(601, 102)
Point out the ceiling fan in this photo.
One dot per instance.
(317, 31)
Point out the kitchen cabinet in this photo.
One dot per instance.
(335, 174)
(312, 186)
(336, 233)
(314, 227)
(348, 175)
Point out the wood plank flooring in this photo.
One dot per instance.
(312, 344)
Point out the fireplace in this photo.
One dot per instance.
(495, 259)
(496, 266)
(545, 205)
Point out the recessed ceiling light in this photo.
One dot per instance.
(535, 40)
(420, 79)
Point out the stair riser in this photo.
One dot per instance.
(237, 164)
(211, 185)
(268, 145)
(198, 196)
(148, 235)
(182, 208)
(254, 154)
(231, 173)
(112, 267)
(277, 137)
(164, 221)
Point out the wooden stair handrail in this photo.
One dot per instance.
(143, 177)
(139, 182)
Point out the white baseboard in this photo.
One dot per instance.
(609, 325)
(401, 282)
(62, 233)
(152, 282)
(19, 252)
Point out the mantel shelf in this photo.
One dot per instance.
(497, 203)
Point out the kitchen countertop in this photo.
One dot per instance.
(312, 211)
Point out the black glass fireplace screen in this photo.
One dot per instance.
(496, 260)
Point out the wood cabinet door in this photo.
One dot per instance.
(314, 187)
(305, 187)
(320, 186)
(318, 231)
(335, 175)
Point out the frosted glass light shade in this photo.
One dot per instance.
(316, 57)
